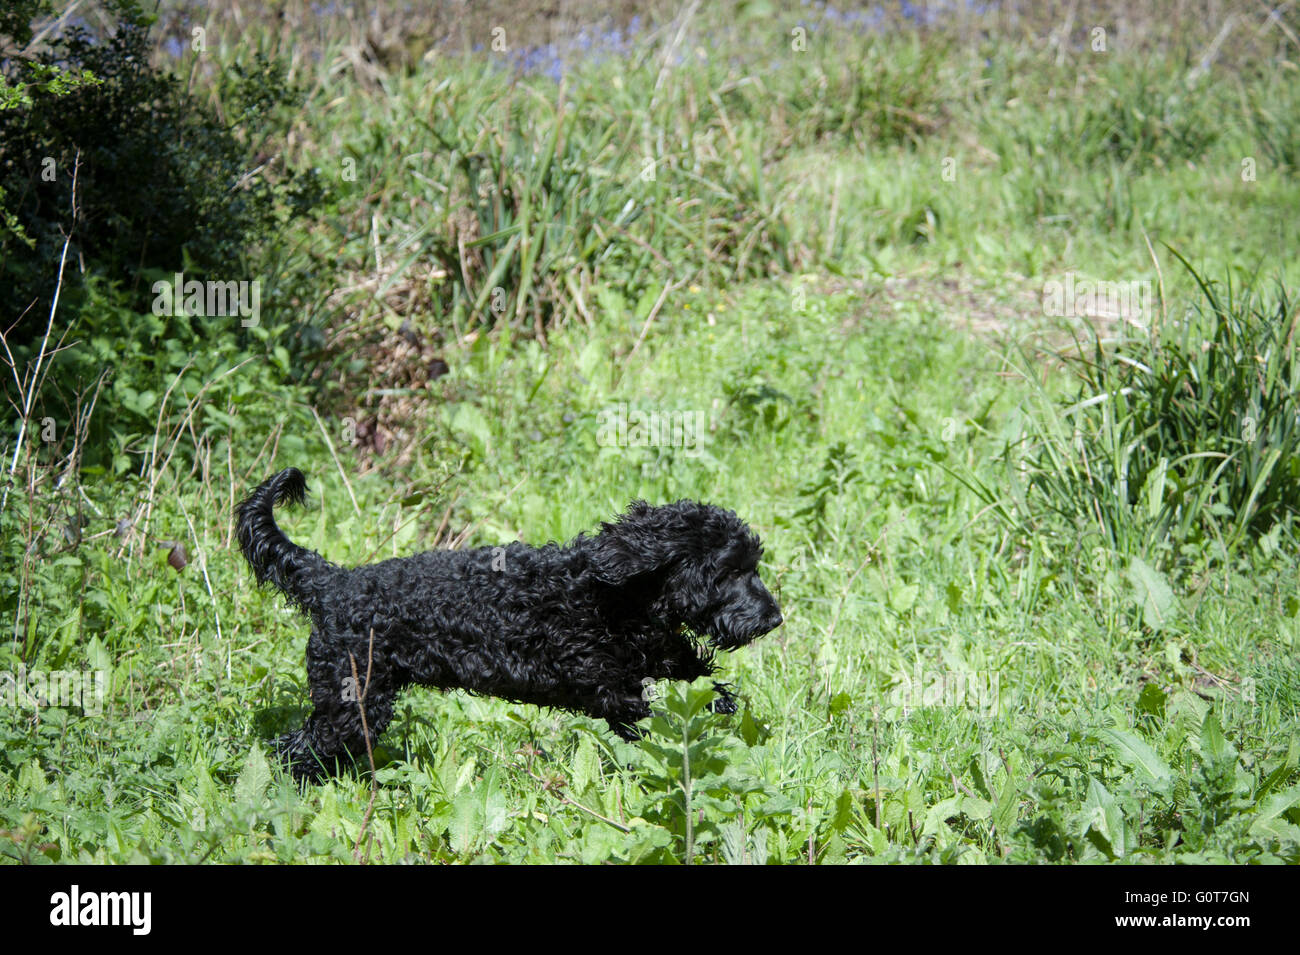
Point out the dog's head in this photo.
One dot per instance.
(696, 566)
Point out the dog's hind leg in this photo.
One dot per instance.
(348, 704)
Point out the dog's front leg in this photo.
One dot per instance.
(725, 702)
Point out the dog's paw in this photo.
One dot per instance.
(298, 758)
(725, 703)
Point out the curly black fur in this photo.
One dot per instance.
(583, 626)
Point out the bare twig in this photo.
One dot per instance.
(339, 464)
(669, 287)
(549, 788)
(365, 731)
(38, 375)
(173, 438)
(199, 552)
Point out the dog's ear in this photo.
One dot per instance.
(643, 541)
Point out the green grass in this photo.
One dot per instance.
(973, 668)
(940, 689)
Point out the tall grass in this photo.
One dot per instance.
(540, 203)
(1185, 433)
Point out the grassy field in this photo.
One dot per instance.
(985, 325)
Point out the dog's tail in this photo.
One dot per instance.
(273, 556)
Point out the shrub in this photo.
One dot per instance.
(160, 183)
(103, 152)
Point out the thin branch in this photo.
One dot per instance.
(38, 379)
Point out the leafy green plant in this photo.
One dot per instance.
(148, 179)
(117, 166)
(692, 788)
(837, 473)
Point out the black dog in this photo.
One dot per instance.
(585, 627)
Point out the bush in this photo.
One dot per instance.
(160, 185)
(159, 182)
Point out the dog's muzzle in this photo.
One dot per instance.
(731, 634)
